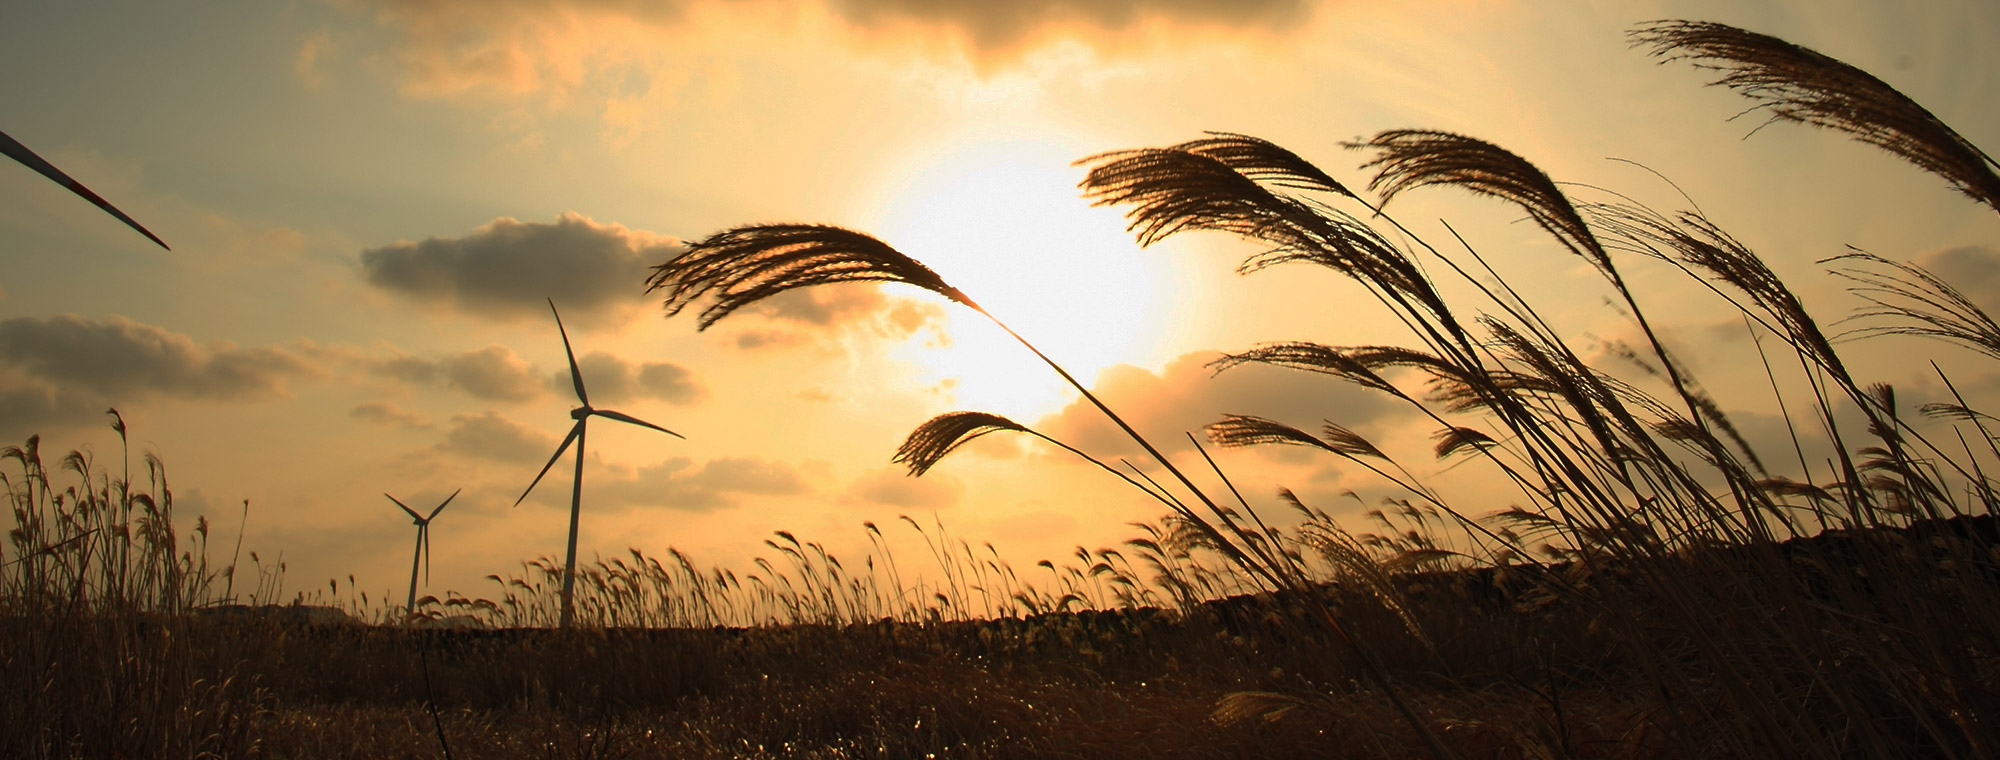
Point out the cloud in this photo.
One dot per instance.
(1004, 30)
(893, 487)
(28, 407)
(1973, 269)
(388, 414)
(493, 373)
(610, 379)
(308, 65)
(503, 46)
(67, 365)
(491, 436)
(678, 484)
(1187, 396)
(809, 315)
(554, 47)
(507, 269)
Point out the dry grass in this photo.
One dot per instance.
(1655, 591)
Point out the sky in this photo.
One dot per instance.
(371, 203)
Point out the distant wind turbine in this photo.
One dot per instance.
(581, 414)
(423, 556)
(15, 150)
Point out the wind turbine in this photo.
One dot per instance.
(423, 555)
(582, 415)
(13, 149)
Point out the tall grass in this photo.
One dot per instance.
(1638, 498)
(1760, 644)
(94, 590)
(1657, 587)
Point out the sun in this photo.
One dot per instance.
(1002, 220)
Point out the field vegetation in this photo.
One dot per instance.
(1650, 585)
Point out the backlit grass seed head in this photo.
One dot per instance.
(1411, 158)
(1453, 440)
(1801, 85)
(1236, 430)
(744, 265)
(940, 435)
(1264, 162)
(1172, 191)
(1232, 183)
(1908, 300)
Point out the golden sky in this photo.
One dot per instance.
(369, 201)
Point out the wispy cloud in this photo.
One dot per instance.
(309, 64)
(893, 487)
(1001, 31)
(552, 47)
(680, 484)
(810, 315)
(389, 414)
(507, 269)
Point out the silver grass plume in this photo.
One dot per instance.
(1235, 430)
(1798, 84)
(1172, 191)
(744, 265)
(1312, 357)
(1909, 300)
(1411, 158)
(941, 435)
(1231, 183)
(1264, 162)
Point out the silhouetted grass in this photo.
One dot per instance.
(1655, 588)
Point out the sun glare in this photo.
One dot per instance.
(1003, 222)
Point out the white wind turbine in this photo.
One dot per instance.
(13, 149)
(423, 556)
(581, 414)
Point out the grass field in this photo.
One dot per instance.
(1656, 588)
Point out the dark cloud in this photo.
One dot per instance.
(1973, 270)
(67, 369)
(28, 407)
(119, 357)
(507, 269)
(1187, 396)
(491, 436)
(894, 487)
(388, 414)
(610, 379)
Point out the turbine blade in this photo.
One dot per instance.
(440, 507)
(406, 508)
(623, 417)
(15, 150)
(574, 431)
(575, 375)
(424, 537)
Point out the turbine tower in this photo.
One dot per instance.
(423, 556)
(582, 415)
